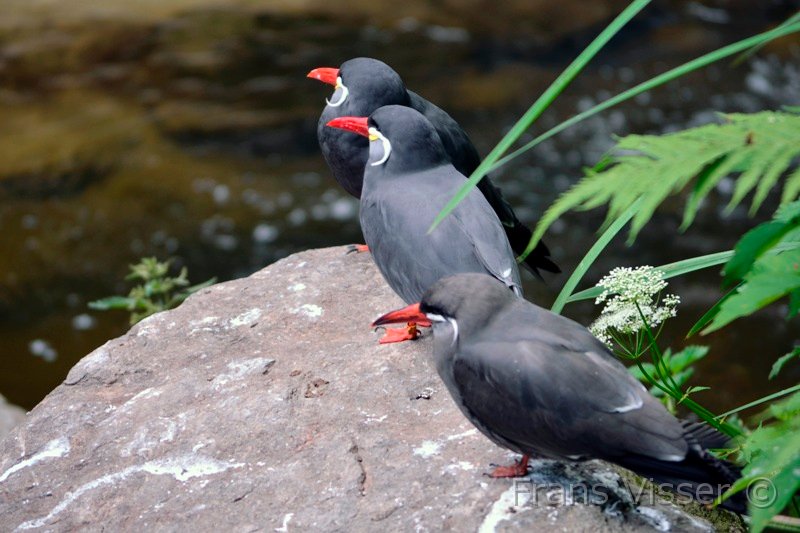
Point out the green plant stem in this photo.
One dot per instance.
(538, 107)
(652, 83)
(684, 266)
(765, 399)
(781, 523)
(746, 54)
(695, 407)
(592, 255)
(662, 370)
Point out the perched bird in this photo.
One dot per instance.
(407, 180)
(538, 383)
(363, 85)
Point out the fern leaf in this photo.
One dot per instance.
(782, 161)
(757, 160)
(706, 181)
(756, 149)
(792, 187)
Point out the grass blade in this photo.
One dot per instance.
(709, 315)
(541, 104)
(754, 50)
(661, 79)
(591, 256)
(765, 399)
(684, 266)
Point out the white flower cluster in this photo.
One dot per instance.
(624, 290)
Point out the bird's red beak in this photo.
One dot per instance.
(325, 75)
(410, 313)
(355, 124)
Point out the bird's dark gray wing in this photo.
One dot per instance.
(481, 225)
(466, 159)
(344, 151)
(455, 140)
(562, 402)
(395, 219)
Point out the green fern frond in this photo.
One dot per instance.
(755, 149)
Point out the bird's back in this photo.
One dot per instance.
(562, 393)
(395, 217)
(466, 159)
(345, 152)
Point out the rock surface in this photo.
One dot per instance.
(266, 404)
(10, 416)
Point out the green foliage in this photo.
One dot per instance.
(763, 277)
(781, 362)
(496, 159)
(542, 103)
(758, 148)
(761, 239)
(678, 368)
(772, 453)
(157, 291)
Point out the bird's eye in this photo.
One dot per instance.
(375, 135)
(342, 96)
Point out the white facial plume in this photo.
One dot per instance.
(439, 318)
(342, 95)
(375, 135)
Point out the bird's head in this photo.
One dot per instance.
(362, 85)
(456, 305)
(401, 139)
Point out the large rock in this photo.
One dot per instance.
(266, 404)
(10, 416)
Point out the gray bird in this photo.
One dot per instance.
(362, 85)
(540, 384)
(408, 179)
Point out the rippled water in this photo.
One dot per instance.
(193, 137)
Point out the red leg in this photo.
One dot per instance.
(409, 333)
(516, 470)
(357, 248)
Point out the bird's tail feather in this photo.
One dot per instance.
(519, 235)
(700, 475)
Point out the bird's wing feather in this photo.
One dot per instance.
(455, 140)
(480, 223)
(561, 401)
(470, 242)
(466, 159)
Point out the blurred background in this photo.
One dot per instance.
(185, 129)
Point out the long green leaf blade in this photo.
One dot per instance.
(682, 267)
(591, 256)
(541, 104)
(661, 79)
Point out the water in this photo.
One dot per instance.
(190, 133)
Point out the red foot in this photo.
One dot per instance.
(357, 248)
(516, 470)
(408, 333)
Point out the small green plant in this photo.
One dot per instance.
(678, 367)
(634, 311)
(757, 152)
(772, 455)
(157, 290)
(757, 149)
(631, 301)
